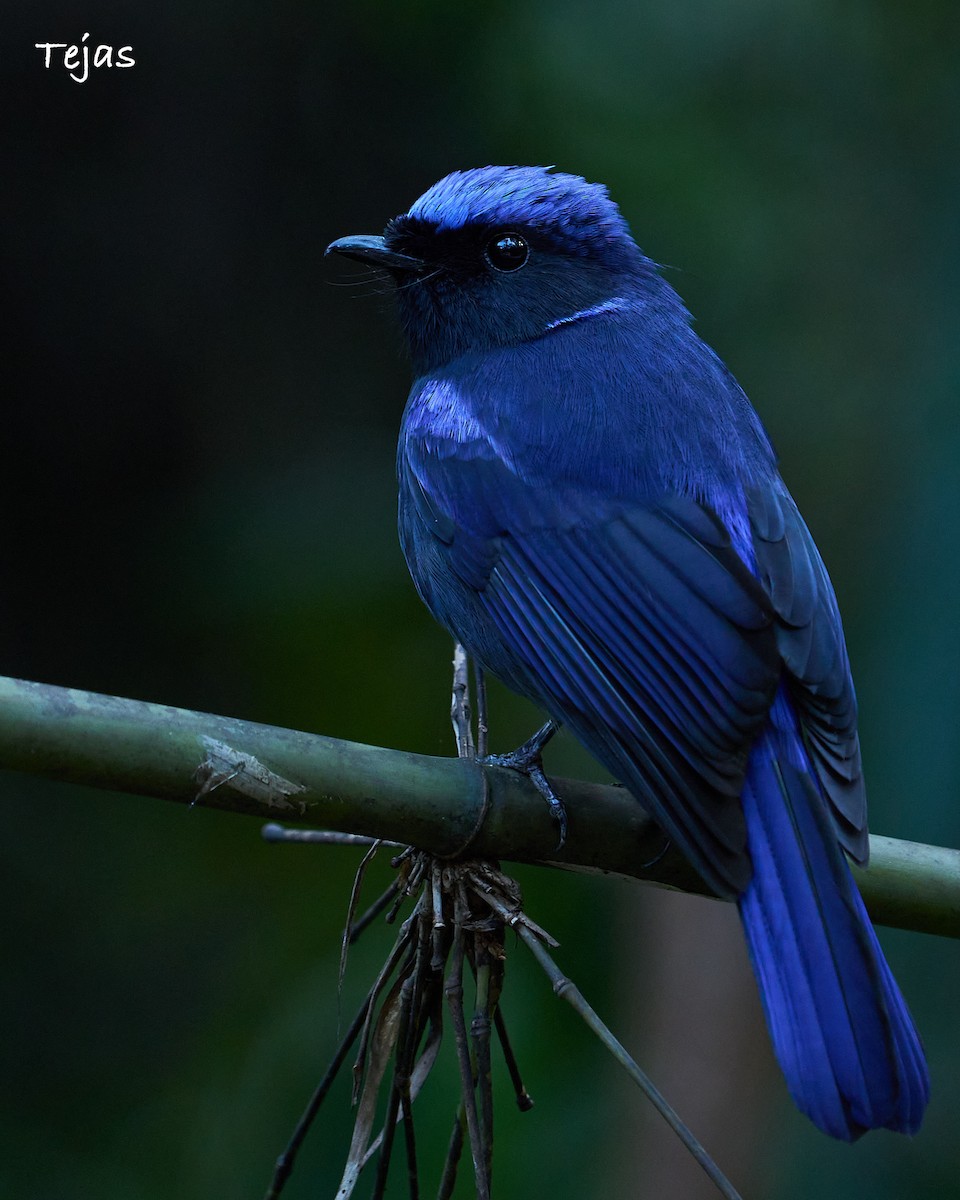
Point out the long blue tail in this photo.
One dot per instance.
(840, 1027)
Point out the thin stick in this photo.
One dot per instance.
(406, 1053)
(440, 933)
(453, 988)
(413, 1176)
(346, 941)
(448, 1179)
(272, 832)
(524, 1099)
(460, 704)
(480, 1037)
(374, 911)
(285, 1163)
(483, 728)
(393, 1101)
(408, 1038)
(401, 895)
(572, 994)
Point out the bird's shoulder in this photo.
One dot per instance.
(628, 402)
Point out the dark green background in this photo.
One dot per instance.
(198, 508)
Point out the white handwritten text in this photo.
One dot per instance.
(78, 58)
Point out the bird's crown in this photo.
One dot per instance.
(574, 215)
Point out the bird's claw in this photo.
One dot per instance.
(528, 761)
(554, 803)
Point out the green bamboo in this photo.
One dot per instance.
(443, 805)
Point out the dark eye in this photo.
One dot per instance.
(507, 252)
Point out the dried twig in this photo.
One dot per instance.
(285, 1163)
(460, 704)
(461, 911)
(346, 940)
(568, 990)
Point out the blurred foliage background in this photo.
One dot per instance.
(198, 499)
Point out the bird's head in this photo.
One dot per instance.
(496, 256)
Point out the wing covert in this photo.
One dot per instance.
(637, 625)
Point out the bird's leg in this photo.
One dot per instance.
(528, 760)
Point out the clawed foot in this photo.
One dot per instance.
(528, 760)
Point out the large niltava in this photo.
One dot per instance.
(589, 503)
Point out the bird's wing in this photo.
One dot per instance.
(811, 643)
(636, 624)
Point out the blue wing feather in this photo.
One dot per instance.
(640, 622)
(811, 644)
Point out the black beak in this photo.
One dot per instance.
(371, 248)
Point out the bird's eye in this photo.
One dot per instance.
(507, 252)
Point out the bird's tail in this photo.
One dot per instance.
(840, 1027)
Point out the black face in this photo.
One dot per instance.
(463, 253)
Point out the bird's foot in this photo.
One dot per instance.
(528, 760)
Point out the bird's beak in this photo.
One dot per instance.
(371, 248)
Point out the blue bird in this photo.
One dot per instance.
(589, 503)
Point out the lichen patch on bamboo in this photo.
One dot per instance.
(223, 766)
